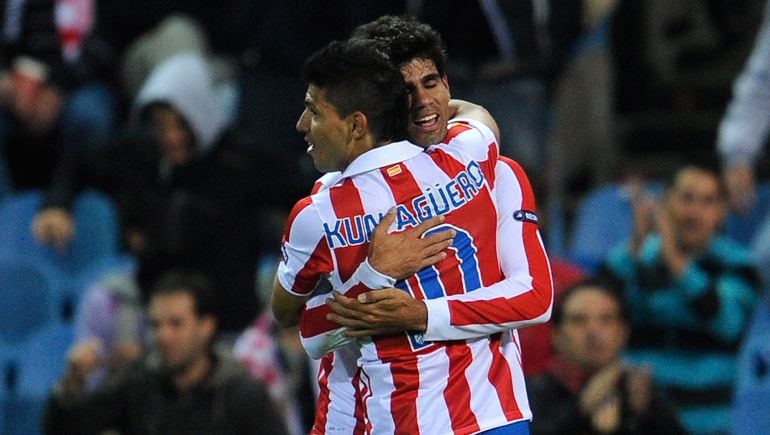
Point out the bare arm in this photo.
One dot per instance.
(286, 306)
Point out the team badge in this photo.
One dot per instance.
(394, 170)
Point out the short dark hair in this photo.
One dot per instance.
(406, 39)
(606, 286)
(708, 164)
(191, 282)
(357, 75)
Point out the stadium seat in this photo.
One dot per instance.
(96, 241)
(42, 359)
(16, 212)
(27, 303)
(603, 219)
(22, 415)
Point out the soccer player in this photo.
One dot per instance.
(327, 234)
(416, 44)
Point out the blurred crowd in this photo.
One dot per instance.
(642, 125)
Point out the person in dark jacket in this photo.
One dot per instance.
(183, 386)
(47, 107)
(587, 388)
(185, 193)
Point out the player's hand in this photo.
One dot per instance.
(402, 254)
(378, 312)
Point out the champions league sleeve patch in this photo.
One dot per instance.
(525, 216)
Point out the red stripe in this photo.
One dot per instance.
(322, 404)
(319, 263)
(403, 400)
(346, 201)
(406, 377)
(404, 188)
(529, 304)
(298, 207)
(537, 259)
(454, 129)
(525, 306)
(500, 377)
(488, 167)
(358, 413)
(313, 321)
(446, 162)
(457, 393)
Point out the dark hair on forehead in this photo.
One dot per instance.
(193, 283)
(357, 75)
(707, 163)
(606, 285)
(406, 39)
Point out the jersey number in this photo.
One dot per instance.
(429, 281)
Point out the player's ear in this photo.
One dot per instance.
(358, 124)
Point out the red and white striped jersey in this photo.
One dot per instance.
(407, 380)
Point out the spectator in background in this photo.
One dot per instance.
(185, 193)
(587, 388)
(743, 136)
(185, 386)
(506, 56)
(47, 107)
(692, 291)
(744, 129)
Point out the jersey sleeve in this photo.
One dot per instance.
(306, 257)
(525, 296)
(319, 335)
(472, 138)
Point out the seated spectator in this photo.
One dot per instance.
(183, 386)
(692, 291)
(587, 388)
(186, 195)
(47, 107)
(111, 312)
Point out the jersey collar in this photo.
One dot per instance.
(384, 155)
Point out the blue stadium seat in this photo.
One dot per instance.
(43, 359)
(604, 218)
(96, 240)
(96, 231)
(16, 213)
(22, 415)
(27, 302)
